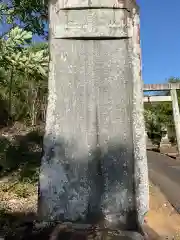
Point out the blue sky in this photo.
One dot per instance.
(160, 39)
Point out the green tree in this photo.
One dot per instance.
(26, 69)
(31, 15)
(11, 48)
(156, 121)
(160, 115)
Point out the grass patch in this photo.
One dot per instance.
(20, 189)
(23, 190)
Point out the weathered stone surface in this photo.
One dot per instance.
(139, 140)
(94, 163)
(126, 4)
(161, 87)
(88, 23)
(176, 116)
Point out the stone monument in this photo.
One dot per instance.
(94, 166)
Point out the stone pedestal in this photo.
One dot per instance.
(94, 166)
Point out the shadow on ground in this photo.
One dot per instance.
(21, 226)
(154, 150)
(30, 228)
(21, 154)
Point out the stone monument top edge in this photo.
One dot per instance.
(125, 4)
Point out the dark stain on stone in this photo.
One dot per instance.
(89, 3)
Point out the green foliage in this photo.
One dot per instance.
(31, 14)
(157, 118)
(23, 75)
(154, 125)
(12, 47)
(172, 140)
(160, 115)
(15, 52)
(173, 80)
(22, 154)
(23, 64)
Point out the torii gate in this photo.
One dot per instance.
(173, 97)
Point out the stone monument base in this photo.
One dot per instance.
(168, 149)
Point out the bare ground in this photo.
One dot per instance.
(162, 221)
(162, 217)
(18, 200)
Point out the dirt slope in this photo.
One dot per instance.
(162, 218)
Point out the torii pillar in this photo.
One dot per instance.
(94, 165)
(176, 116)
